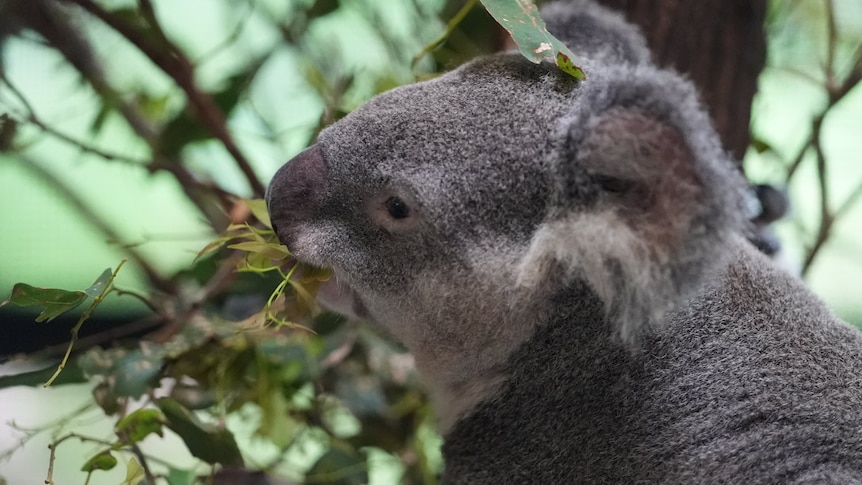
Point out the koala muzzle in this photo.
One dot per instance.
(295, 191)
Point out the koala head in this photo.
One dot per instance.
(453, 211)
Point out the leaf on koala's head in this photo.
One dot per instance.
(522, 20)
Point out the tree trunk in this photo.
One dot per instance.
(718, 44)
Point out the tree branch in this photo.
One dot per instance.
(173, 62)
(45, 18)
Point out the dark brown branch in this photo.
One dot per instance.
(836, 94)
(46, 18)
(173, 62)
(30, 117)
(719, 44)
(826, 218)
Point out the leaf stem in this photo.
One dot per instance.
(83, 318)
(450, 27)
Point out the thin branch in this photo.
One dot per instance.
(832, 43)
(826, 217)
(170, 59)
(797, 160)
(45, 18)
(232, 37)
(836, 94)
(849, 202)
(450, 27)
(224, 276)
(80, 323)
(136, 450)
(137, 327)
(30, 117)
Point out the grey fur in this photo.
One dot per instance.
(597, 33)
(572, 276)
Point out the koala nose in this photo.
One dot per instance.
(295, 192)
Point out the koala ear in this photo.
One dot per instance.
(595, 32)
(642, 168)
(646, 202)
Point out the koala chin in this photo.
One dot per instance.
(568, 263)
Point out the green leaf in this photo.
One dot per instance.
(55, 302)
(140, 424)
(341, 465)
(98, 286)
(71, 375)
(181, 477)
(137, 373)
(103, 461)
(258, 208)
(207, 442)
(521, 19)
(270, 250)
(134, 473)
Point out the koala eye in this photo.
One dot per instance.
(397, 208)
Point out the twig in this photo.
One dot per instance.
(143, 462)
(146, 301)
(223, 277)
(826, 217)
(136, 327)
(30, 117)
(231, 38)
(836, 94)
(46, 19)
(83, 318)
(450, 27)
(49, 480)
(173, 62)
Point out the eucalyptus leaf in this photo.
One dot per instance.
(55, 301)
(205, 441)
(103, 461)
(522, 20)
(259, 210)
(134, 473)
(98, 286)
(140, 424)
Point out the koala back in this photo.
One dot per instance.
(753, 381)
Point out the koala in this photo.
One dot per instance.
(568, 262)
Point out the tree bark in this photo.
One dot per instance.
(718, 44)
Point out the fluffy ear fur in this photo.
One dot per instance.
(595, 33)
(646, 202)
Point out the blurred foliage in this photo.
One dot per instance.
(815, 52)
